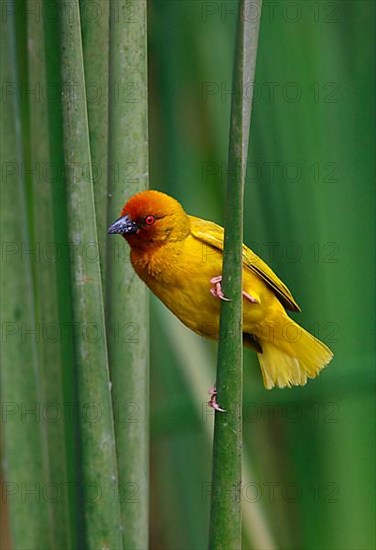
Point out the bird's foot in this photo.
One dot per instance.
(216, 289)
(213, 400)
(217, 292)
(250, 298)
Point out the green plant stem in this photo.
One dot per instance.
(95, 41)
(101, 507)
(225, 518)
(127, 296)
(46, 289)
(24, 460)
(188, 353)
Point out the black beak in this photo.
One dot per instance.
(123, 225)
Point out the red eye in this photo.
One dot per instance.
(149, 220)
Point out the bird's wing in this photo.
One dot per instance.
(212, 234)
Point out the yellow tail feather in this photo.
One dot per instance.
(291, 355)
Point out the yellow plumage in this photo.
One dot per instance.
(177, 256)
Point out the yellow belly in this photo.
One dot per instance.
(180, 278)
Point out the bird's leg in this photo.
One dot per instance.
(213, 400)
(250, 298)
(216, 291)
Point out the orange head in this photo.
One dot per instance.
(151, 218)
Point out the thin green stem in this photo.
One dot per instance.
(25, 458)
(95, 41)
(188, 354)
(126, 294)
(225, 518)
(101, 505)
(46, 288)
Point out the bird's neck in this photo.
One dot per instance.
(156, 262)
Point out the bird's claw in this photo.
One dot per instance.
(250, 298)
(217, 292)
(213, 400)
(216, 289)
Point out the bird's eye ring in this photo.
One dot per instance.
(149, 220)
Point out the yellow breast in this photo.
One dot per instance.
(179, 274)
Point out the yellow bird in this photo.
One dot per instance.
(179, 257)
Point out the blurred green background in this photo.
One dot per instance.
(309, 212)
